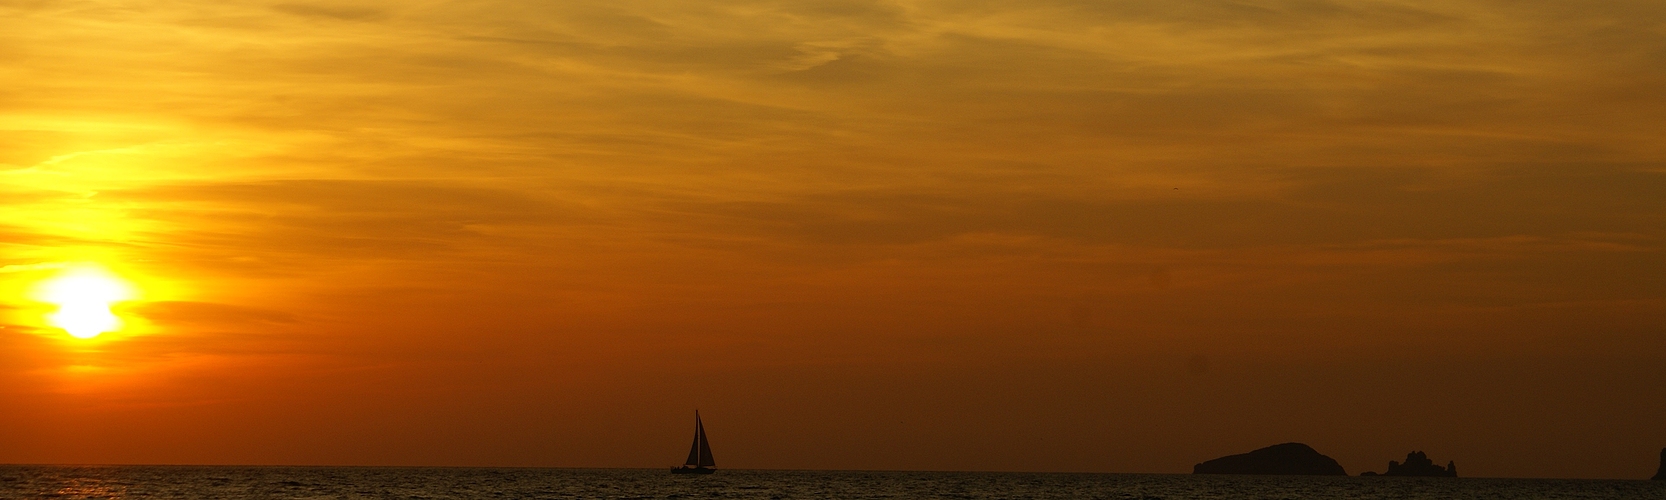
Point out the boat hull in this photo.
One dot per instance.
(692, 470)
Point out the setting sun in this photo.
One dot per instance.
(83, 297)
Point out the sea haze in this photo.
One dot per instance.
(121, 482)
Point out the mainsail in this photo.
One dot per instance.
(699, 453)
(694, 449)
(705, 447)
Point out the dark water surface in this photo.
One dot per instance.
(65, 482)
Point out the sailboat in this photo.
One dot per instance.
(699, 454)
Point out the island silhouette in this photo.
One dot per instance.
(1278, 459)
(1417, 465)
(1660, 475)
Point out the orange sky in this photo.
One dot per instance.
(1121, 236)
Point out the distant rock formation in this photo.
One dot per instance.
(1280, 459)
(1417, 464)
(1661, 474)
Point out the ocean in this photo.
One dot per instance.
(168, 482)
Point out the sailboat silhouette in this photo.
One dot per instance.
(699, 454)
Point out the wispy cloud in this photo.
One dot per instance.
(18, 268)
(515, 196)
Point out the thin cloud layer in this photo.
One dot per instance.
(438, 217)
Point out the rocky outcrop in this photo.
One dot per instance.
(1280, 459)
(1418, 464)
(1661, 474)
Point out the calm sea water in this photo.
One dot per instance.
(476, 483)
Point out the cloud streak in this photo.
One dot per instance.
(381, 206)
(19, 268)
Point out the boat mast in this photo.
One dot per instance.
(694, 449)
(705, 446)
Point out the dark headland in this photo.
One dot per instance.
(1279, 459)
(1418, 465)
(1660, 475)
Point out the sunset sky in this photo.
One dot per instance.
(1040, 235)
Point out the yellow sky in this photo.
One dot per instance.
(1119, 236)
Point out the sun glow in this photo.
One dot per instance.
(83, 297)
